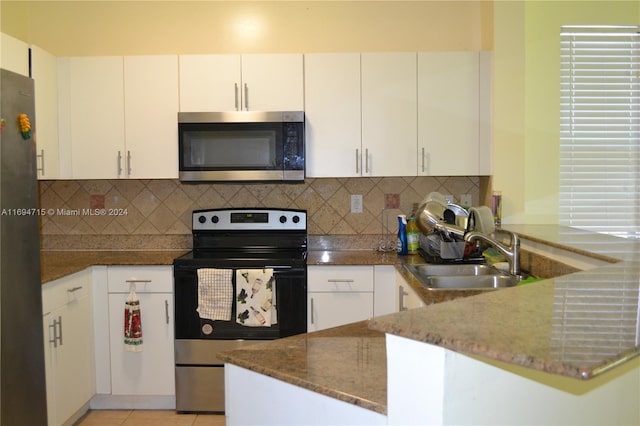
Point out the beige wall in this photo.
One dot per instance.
(527, 98)
(157, 27)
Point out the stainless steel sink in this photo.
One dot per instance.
(471, 281)
(462, 277)
(451, 269)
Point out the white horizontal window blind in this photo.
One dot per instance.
(600, 129)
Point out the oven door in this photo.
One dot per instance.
(291, 302)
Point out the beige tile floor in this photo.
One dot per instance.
(148, 418)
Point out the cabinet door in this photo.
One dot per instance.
(68, 341)
(210, 83)
(151, 371)
(406, 298)
(389, 123)
(14, 55)
(272, 82)
(44, 70)
(448, 113)
(328, 310)
(96, 114)
(151, 110)
(332, 114)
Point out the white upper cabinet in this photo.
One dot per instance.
(449, 113)
(258, 82)
(14, 55)
(332, 114)
(151, 116)
(44, 71)
(209, 83)
(92, 127)
(118, 117)
(389, 122)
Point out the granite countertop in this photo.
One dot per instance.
(348, 363)
(578, 325)
(56, 264)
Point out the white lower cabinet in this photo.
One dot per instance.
(68, 346)
(150, 371)
(342, 294)
(407, 298)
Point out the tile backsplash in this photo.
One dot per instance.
(164, 207)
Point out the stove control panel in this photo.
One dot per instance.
(249, 219)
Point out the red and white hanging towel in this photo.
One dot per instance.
(132, 322)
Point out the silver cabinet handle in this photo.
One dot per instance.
(166, 310)
(235, 94)
(357, 158)
(366, 161)
(41, 157)
(57, 337)
(128, 163)
(119, 163)
(73, 289)
(401, 294)
(246, 97)
(337, 280)
(422, 159)
(138, 281)
(312, 310)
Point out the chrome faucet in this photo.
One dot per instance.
(511, 252)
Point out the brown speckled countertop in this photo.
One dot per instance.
(56, 264)
(348, 363)
(578, 325)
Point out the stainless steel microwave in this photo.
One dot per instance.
(241, 146)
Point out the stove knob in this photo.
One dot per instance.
(202, 219)
(215, 219)
(283, 219)
(296, 219)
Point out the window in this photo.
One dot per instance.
(600, 129)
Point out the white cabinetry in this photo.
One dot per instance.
(406, 298)
(92, 115)
(68, 343)
(449, 113)
(14, 54)
(44, 70)
(389, 123)
(151, 371)
(338, 295)
(151, 111)
(260, 82)
(118, 116)
(332, 113)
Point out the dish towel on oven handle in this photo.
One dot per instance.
(132, 322)
(215, 293)
(255, 297)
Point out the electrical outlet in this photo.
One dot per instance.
(449, 199)
(465, 200)
(356, 203)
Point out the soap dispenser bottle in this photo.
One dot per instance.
(402, 235)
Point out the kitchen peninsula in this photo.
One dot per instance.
(560, 351)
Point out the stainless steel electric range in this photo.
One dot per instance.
(245, 281)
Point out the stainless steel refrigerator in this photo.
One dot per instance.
(23, 390)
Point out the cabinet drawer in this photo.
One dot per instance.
(147, 279)
(65, 290)
(340, 278)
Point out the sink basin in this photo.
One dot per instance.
(461, 277)
(470, 281)
(462, 269)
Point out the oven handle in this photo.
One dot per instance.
(277, 267)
